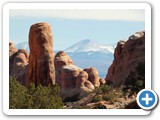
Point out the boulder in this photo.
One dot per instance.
(83, 82)
(102, 81)
(68, 76)
(93, 76)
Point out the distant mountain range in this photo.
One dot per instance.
(89, 46)
(23, 45)
(87, 53)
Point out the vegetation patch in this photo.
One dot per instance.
(33, 97)
(135, 81)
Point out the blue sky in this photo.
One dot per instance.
(105, 29)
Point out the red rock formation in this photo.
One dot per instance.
(66, 71)
(94, 76)
(81, 79)
(83, 82)
(68, 76)
(102, 81)
(12, 49)
(71, 79)
(12, 53)
(19, 65)
(63, 60)
(127, 55)
(41, 65)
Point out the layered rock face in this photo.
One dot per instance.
(127, 55)
(19, 65)
(72, 79)
(41, 58)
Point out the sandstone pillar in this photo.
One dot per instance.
(41, 58)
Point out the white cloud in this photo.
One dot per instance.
(116, 14)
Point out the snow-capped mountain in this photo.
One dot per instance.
(89, 53)
(90, 46)
(23, 45)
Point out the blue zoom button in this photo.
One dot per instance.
(147, 99)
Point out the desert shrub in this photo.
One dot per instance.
(140, 84)
(135, 81)
(97, 98)
(140, 69)
(33, 97)
(97, 90)
(17, 94)
(107, 94)
(105, 97)
(131, 83)
(109, 82)
(46, 97)
(103, 89)
(111, 97)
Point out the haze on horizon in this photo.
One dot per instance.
(70, 26)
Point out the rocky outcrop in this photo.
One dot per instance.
(93, 76)
(64, 66)
(128, 54)
(41, 58)
(62, 59)
(72, 79)
(12, 49)
(83, 82)
(66, 74)
(19, 65)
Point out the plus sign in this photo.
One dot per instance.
(147, 99)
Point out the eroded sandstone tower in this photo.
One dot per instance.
(41, 58)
